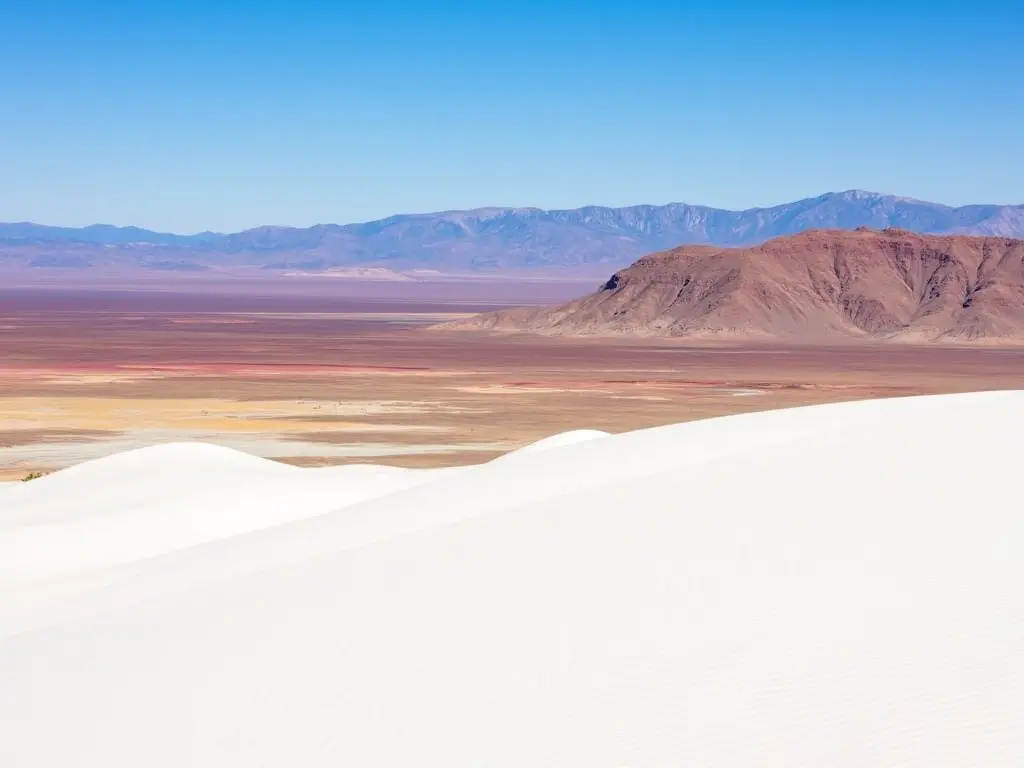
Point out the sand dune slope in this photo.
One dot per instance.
(151, 501)
(828, 586)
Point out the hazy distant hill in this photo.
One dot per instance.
(495, 238)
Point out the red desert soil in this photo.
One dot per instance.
(819, 286)
(329, 380)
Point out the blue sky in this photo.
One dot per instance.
(201, 116)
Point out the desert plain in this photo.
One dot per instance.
(348, 371)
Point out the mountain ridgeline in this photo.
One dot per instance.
(584, 240)
(819, 286)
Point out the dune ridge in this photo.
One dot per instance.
(828, 585)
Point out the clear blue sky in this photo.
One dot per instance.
(189, 116)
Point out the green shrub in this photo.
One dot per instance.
(32, 476)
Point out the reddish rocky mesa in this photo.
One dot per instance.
(822, 285)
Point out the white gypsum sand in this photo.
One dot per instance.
(826, 586)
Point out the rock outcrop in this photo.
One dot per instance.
(816, 286)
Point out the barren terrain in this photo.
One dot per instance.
(815, 287)
(330, 378)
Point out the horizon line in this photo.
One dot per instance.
(511, 208)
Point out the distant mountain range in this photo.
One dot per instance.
(590, 239)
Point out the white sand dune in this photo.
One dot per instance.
(149, 501)
(555, 441)
(828, 586)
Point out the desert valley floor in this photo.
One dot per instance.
(333, 377)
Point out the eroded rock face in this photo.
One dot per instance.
(818, 285)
